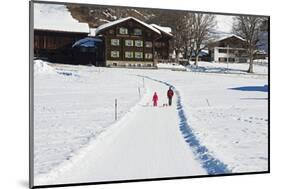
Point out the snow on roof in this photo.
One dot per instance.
(107, 25)
(56, 17)
(92, 32)
(166, 30)
(229, 36)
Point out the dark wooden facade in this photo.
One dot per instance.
(48, 43)
(162, 47)
(130, 43)
(56, 46)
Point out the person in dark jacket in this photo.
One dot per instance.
(155, 99)
(170, 94)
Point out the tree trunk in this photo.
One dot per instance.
(196, 60)
(177, 56)
(251, 69)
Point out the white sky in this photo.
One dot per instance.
(224, 23)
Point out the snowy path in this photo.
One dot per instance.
(146, 143)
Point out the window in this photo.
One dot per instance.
(231, 59)
(115, 42)
(138, 55)
(148, 55)
(222, 51)
(137, 31)
(148, 44)
(114, 54)
(222, 59)
(129, 43)
(129, 54)
(123, 31)
(138, 43)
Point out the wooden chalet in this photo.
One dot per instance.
(130, 42)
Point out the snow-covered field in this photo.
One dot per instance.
(73, 105)
(227, 113)
(260, 68)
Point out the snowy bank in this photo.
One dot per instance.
(171, 66)
(42, 67)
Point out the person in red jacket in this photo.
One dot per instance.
(155, 99)
(170, 94)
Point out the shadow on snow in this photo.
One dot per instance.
(252, 88)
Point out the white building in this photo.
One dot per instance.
(229, 49)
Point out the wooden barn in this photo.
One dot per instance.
(55, 32)
(130, 42)
(55, 46)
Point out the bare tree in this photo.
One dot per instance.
(182, 34)
(249, 28)
(203, 25)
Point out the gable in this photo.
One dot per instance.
(130, 23)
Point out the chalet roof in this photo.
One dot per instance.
(229, 36)
(107, 25)
(166, 30)
(56, 17)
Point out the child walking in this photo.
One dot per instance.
(155, 99)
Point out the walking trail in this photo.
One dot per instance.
(145, 144)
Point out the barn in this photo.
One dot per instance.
(55, 32)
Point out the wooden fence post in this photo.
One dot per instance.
(115, 109)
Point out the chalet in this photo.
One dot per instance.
(130, 42)
(229, 49)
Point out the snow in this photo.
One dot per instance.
(161, 153)
(166, 30)
(92, 32)
(229, 36)
(106, 25)
(42, 67)
(216, 116)
(171, 66)
(228, 68)
(73, 105)
(56, 17)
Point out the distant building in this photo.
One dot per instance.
(130, 42)
(229, 49)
